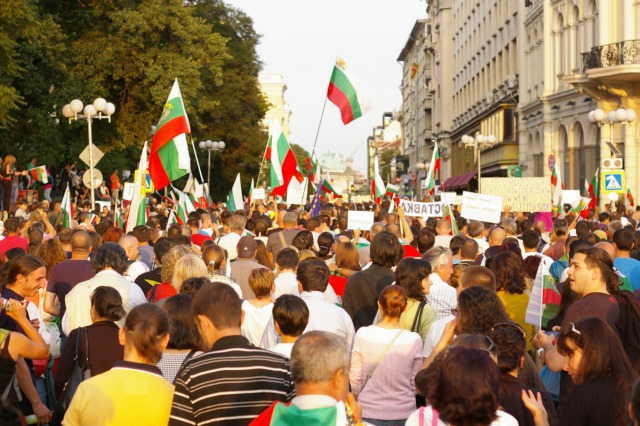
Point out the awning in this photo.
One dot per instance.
(460, 181)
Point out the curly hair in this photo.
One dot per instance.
(51, 252)
(510, 344)
(479, 309)
(509, 271)
(465, 390)
(170, 259)
(110, 255)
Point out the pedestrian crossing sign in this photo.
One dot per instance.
(613, 182)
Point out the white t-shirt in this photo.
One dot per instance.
(255, 321)
(283, 349)
(504, 419)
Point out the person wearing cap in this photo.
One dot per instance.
(281, 239)
(244, 264)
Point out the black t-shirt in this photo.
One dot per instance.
(593, 404)
(511, 401)
(147, 280)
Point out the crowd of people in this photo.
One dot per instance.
(270, 316)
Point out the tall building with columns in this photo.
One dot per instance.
(273, 89)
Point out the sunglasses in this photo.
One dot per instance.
(511, 326)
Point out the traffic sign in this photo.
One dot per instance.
(551, 162)
(97, 155)
(613, 181)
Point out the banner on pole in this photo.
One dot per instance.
(360, 220)
(415, 208)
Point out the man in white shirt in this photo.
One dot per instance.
(131, 247)
(230, 241)
(475, 229)
(313, 278)
(442, 297)
(443, 234)
(286, 280)
(110, 262)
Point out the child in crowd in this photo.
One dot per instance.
(290, 315)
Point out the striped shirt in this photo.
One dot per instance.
(230, 385)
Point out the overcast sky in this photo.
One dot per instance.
(301, 40)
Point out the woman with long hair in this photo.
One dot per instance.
(215, 257)
(184, 341)
(262, 257)
(51, 252)
(601, 371)
(512, 289)
(325, 245)
(110, 398)
(169, 261)
(412, 274)
(7, 173)
(188, 266)
(347, 260)
(384, 362)
(102, 337)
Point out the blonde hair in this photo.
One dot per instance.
(261, 281)
(305, 254)
(170, 259)
(9, 160)
(188, 266)
(214, 256)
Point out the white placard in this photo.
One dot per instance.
(526, 194)
(295, 191)
(127, 192)
(360, 220)
(482, 207)
(448, 197)
(258, 193)
(418, 209)
(571, 197)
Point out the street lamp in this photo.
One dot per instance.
(620, 116)
(100, 109)
(210, 146)
(479, 142)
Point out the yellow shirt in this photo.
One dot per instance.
(128, 394)
(516, 306)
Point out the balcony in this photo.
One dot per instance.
(608, 55)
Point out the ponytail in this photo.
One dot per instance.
(145, 327)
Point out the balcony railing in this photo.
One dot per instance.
(608, 55)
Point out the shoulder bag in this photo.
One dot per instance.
(81, 371)
(380, 358)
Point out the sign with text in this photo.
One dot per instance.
(258, 194)
(415, 208)
(482, 207)
(526, 194)
(359, 220)
(296, 191)
(127, 192)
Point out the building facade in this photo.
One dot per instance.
(273, 89)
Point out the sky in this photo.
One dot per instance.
(302, 40)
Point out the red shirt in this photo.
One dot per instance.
(115, 182)
(12, 242)
(161, 291)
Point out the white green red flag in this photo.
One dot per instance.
(544, 300)
(449, 217)
(434, 166)
(328, 188)
(630, 198)
(558, 186)
(314, 170)
(138, 207)
(117, 219)
(171, 220)
(40, 174)
(582, 208)
(283, 162)
(67, 208)
(169, 158)
(234, 200)
(377, 184)
(392, 190)
(250, 195)
(343, 93)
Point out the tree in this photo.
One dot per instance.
(385, 163)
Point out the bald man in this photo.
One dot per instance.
(66, 274)
(131, 247)
(496, 238)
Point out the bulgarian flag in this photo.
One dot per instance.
(592, 190)
(250, 196)
(283, 162)
(288, 415)
(67, 208)
(40, 174)
(172, 219)
(544, 300)
(392, 190)
(556, 182)
(314, 170)
(434, 166)
(377, 184)
(169, 158)
(117, 219)
(326, 187)
(343, 93)
(582, 208)
(448, 216)
(138, 207)
(630, 198)
(234, 201)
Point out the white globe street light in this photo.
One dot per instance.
(210, 146)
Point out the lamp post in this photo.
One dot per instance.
(100, 109)
(478, 142)
(620, 116)
(210, 146)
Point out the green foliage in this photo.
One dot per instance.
(129, 52)
(385, 163)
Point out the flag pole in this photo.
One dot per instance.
(315, 142)
(195, 154)
(264, 155)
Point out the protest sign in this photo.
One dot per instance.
(571, 197)
(359, 220)
(258, 193)
(415, 208)
(448, 197)
(127, 192)
(482, 207)
(296, 191)
(527, 194)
